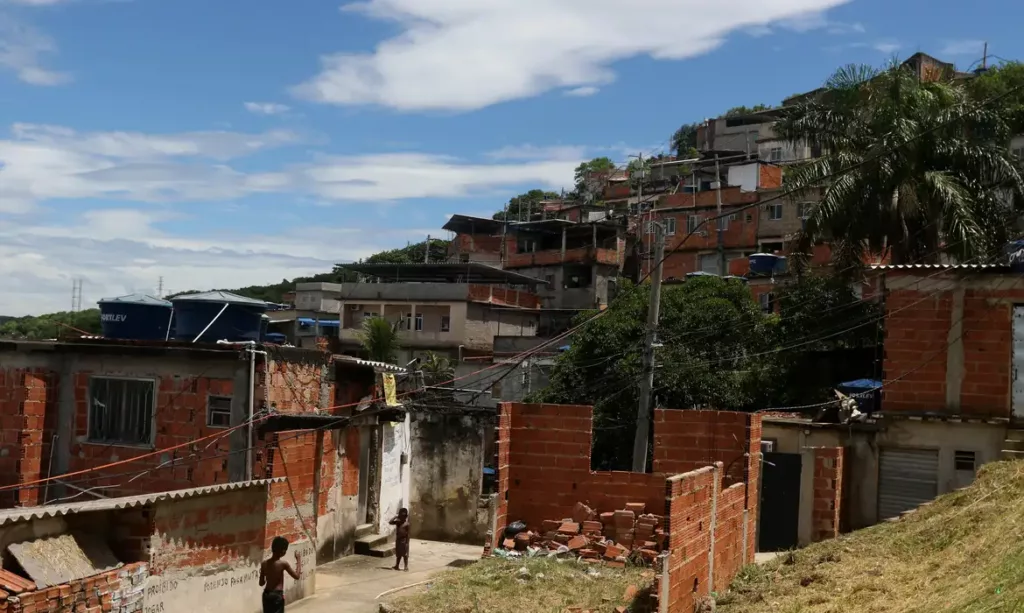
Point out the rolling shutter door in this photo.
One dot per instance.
(906, 479)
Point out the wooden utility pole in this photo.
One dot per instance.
(720, 221)
(643, 415)
(426, 252)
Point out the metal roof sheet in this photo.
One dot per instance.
(219, 296)
(380, 366)
(989, 267)
(137, 299)
(9, 516)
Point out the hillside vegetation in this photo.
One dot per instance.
(963, 553)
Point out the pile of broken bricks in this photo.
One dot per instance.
(613, 538)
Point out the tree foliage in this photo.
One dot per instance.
(746, 110)
(597, 167)
(379, 338)
(910, 167)
(52, 325)
(519, 207)
(684, 140)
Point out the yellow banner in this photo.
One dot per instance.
(390, 396)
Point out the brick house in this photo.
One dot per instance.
(948, 404)
(86, 408)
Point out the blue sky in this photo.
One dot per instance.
(231, 142)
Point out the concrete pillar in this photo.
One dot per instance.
(955, 352)
(564, 243)
(805, 525)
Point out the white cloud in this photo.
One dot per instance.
(266, 108)
(587, 90)
(21, 50)
(469, 54)
(971, 47)
(40, 163)
(116, 252)
(886, 47)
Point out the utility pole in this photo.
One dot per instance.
(504, 235)
(426, 251)
(640, 215)
(984, 57)
(720, 220)
(643, 415)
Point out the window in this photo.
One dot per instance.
(407, 321)
(749, 218)
(1019, 152)
(767, 302)
(767, 446)
(121, 411)
(723, 223)
(670, 226)
(771, 247)
(446, 323)
(774, 212)
(218, 411)
(369, 315)
(419, 322)
(692, 221)
(775, 154)
(964, 460)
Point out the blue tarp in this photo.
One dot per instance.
(862, 384)
(488, 471)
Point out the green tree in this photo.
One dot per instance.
(595, 168)
(519, 207)
(52, 325)
(707, 327)
(746, 110)
(1005, 85)
(379, 339)
(926, 167)
(684, 141)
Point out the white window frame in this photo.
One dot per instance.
(723, 223)
(692, 221)
(775, 211)
(418, 322)
(670, 226)
(210, 411)
(775, 154)
(114, 442)
(407, 321)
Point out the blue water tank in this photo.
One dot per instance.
(239, 320)
(276, 337)
(135, 317)
(764, 263)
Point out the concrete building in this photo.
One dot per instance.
(950, 400)
(104, 418)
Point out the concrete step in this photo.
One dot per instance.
(364, 530)
(1012, 454)
(375, 545)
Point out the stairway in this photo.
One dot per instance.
(371, 544)
(1013, 446)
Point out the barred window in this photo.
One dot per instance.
(218, 411)
(121, 411)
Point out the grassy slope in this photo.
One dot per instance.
(496, 586)
(963, 553)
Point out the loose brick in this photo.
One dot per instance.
(636, 507)
(592, 527)
(569, 528)
(577, 542)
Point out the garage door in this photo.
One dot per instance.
(906, 479)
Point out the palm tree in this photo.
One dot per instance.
(930, 175)
(438, 371)
(379, 338)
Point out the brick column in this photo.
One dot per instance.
(828, 492)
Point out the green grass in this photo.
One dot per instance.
(963, 553)
(497, 586)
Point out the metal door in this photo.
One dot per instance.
(1018, 362)
(907, 478)
(780, 502)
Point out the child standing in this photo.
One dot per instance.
(401, 538)
(272, 575)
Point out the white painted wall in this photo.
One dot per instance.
(745, 176)
(394, 475)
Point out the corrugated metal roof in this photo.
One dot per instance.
(10, 516)
(137, 299)
(992, 267)
(219, 296)
(379, 366)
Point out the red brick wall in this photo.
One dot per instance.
(116, 591)
(707, 198)
(292, 455)
(580, 255)
(181, 406)
(350, 463)
(917, 325)
(770, 176)
(729, 526)
(290, 387)
(27, 422)
(828, 492)
(688, 508)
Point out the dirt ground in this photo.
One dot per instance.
(352, 584)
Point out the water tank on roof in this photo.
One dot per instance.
(276, 338)
(135, 317)
(700, 273)
(223, 316)
(264, 326)
(763, 263)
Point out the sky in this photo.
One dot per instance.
(224, 143)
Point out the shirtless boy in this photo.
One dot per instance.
(272, 575)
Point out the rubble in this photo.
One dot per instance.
(611, 538)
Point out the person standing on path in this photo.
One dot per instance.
(401, 538)
(272, 575)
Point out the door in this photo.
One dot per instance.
(907, 478)
(780, 502)
(364, 474)
(1018, 363)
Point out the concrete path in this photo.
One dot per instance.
(351, 584)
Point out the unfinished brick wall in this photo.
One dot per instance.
(116, 591)
(291, 505)
(931, 317)
(828, 492)
(27, 424)
(544, 470)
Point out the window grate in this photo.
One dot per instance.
(964, 460)
(218, 411)
(121, 411)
